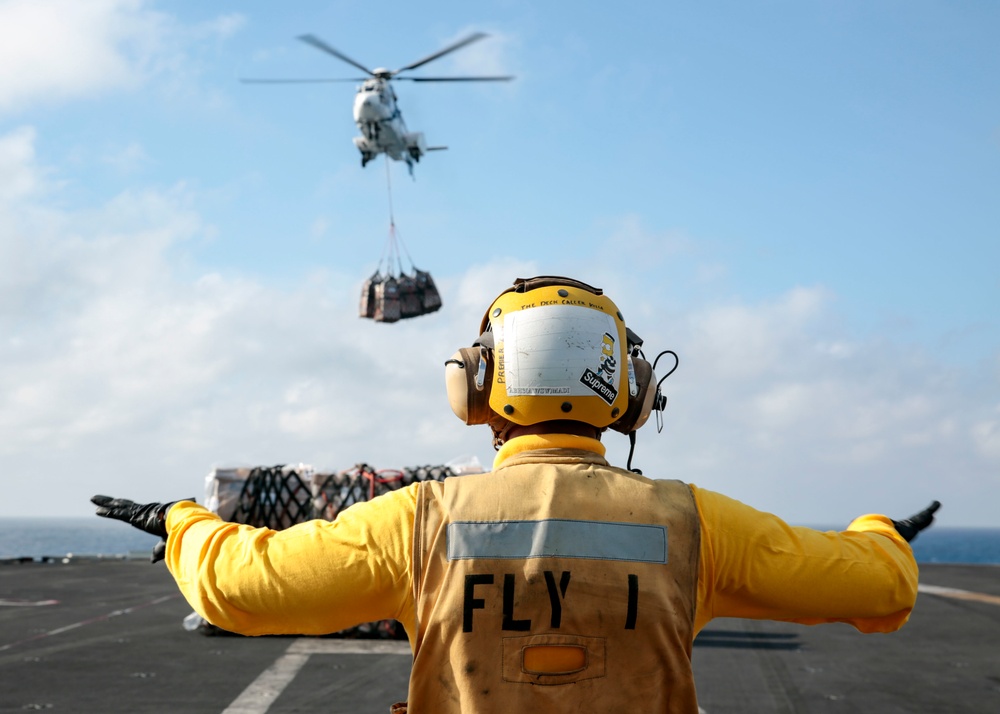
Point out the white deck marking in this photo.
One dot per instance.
(263, 691)
(90, 621)
(260, 695)
(323, 646)
(27, 603)
(957, 594)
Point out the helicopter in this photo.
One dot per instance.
(376, 108)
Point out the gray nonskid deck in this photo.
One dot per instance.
(113, 642)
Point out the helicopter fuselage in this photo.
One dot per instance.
(376, 111)
(377, 115)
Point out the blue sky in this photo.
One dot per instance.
(798, 198)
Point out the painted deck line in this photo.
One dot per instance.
(27, 603)
(313, 646)
(265, 690)
(90, 621)
(957, 594)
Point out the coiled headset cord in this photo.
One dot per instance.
(659, 404)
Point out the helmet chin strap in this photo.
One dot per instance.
(500, 428)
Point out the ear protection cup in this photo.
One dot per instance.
(642, 403)
(468, 377)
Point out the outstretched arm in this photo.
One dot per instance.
(315, 578)
(755, 565)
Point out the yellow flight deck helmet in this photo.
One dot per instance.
(552, 348)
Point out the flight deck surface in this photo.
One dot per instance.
(107, 636)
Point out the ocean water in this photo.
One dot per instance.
(40, 537)
(958, 545)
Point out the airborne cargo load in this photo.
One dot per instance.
(394, 294)
(387, 298)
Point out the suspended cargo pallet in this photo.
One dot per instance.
(396, 294)
(387, 298)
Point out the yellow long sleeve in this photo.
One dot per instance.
(313, 578)
(754, 565)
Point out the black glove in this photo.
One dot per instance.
(914, 524)
(149, 517)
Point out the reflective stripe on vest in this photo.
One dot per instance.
(557, 538)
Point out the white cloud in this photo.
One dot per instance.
(629, 236)
(127, 159)
(747, 341)
(123, 371)
(116, 366)
(986, 435)
(222, 27)
(774, 404)
(53, 51)
(56, 49)
(19, 177)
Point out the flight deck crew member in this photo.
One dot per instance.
(557, 582)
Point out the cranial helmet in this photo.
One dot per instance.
(552, 348)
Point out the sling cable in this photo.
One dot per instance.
(391, 293)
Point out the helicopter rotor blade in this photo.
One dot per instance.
(254, 80)
(450, 48)
(320, 45)
(456, 79)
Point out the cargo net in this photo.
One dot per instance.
(363, 483)
(279, 497)
(273, 497)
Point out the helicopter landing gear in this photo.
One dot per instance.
(366, 156)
